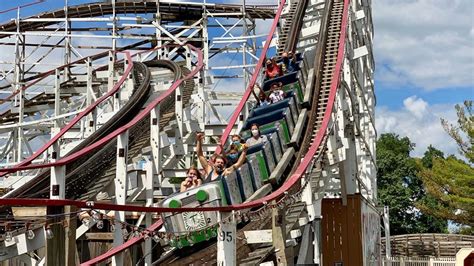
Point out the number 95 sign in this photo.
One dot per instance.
(226, 250)
(226, 236)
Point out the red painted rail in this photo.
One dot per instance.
(292, 180)
(116, 250)
(22, 165)
(256, 203)
(26, 164)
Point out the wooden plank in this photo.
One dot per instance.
(99, 236)
(258, 236)
(22, 213)
(341, 231)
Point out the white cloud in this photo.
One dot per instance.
(420, 122)
(426, 43)
(416, 106)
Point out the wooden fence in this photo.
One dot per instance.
(413, 261)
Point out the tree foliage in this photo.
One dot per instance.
(399, 187)
(430, 154)
(450, 181)
(464, 126)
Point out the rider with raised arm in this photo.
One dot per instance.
(217, 169)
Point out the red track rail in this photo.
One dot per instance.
(292, 180)
(116, 250)
(256, 203)
(253, 80)
(26, 163)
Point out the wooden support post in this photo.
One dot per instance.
(70, 235)
(150, 173)
(317, 241)
(58, 176)
(179, 130)
(111, 76)
(279, 236)
(120, 193)
(55, 238)
(155, 141)
(91, 122)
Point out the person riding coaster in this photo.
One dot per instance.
(217, 169)
(272, 69)
(193, 179)
(236, 143)
(256, 137)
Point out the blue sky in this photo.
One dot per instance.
(424, 52)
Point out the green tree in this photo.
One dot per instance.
(430, 154)
(432, 223)
(450, 181)
(399, 187)
(465, 126)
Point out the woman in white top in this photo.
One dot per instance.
(256, 136)
(276, 94)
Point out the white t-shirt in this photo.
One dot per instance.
(276, 96)
(252, 141)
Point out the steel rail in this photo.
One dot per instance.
(292, 180)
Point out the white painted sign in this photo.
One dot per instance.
(226, 251)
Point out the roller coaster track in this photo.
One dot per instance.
(139, 136)
(327, 62)
(38, 187)
(88, 110)
(169, 10)
(320, 113)
(98, 170)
